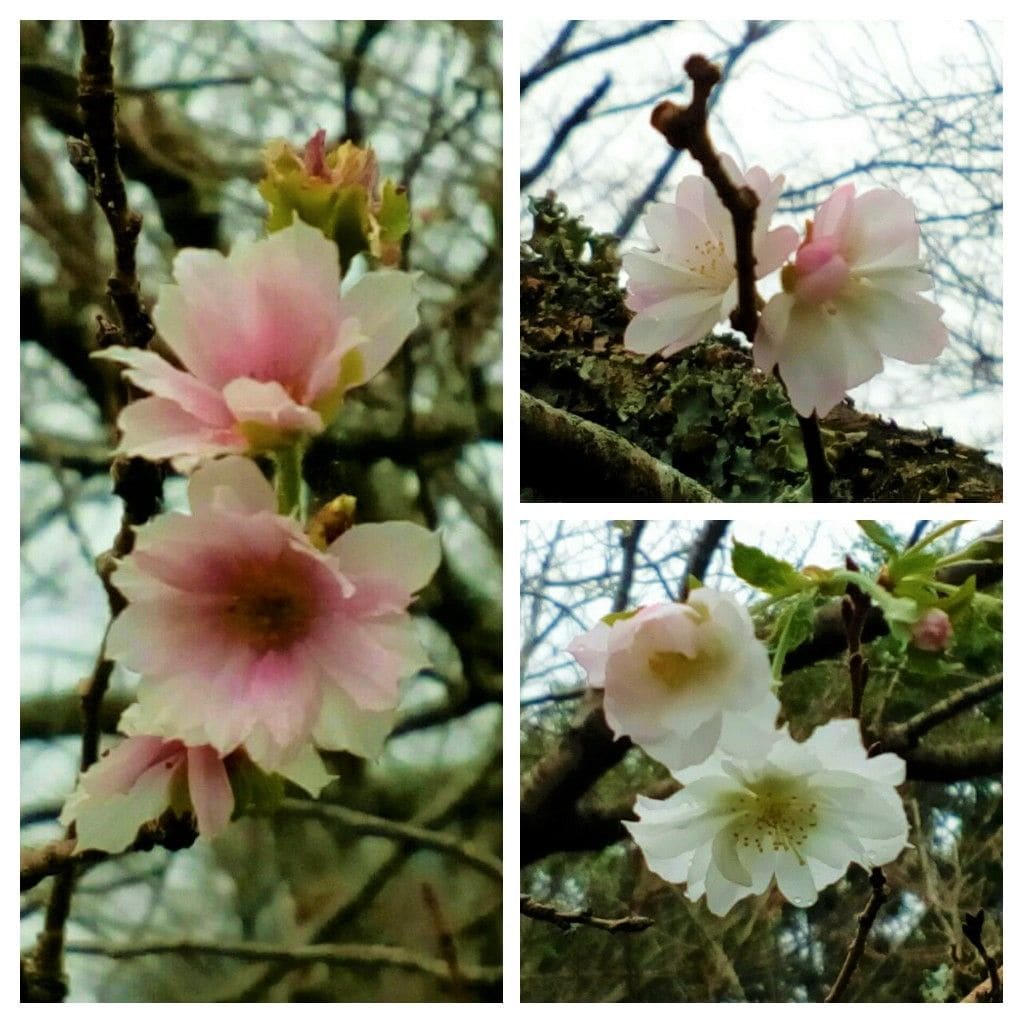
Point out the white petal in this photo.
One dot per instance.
(307, 770)
(232, 484)
(723, 854)
(674, 324)
(343, 725)
(795, 879)
(386, 305)
(401, 553)
(882, 232)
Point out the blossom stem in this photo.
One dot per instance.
(866, 918)
(818, 468)
(288, 478)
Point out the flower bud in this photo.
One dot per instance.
(933, 631)
(338, 192)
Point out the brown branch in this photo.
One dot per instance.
(854, 609)
(566, 919)
(169, 832)
(136, 482)
(954, 763)
(904, 737)
(604, 464)
(342, 955)
(702, 550)
(972, 928)
(686, 128)
(370, 825)
(445, 939)
(866, 918)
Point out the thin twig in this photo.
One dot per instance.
(866, 918)
(855, 608)
(169, 832)
(972, 927)
(370, 825)
(445, 938)
(566, 919)
(686, 128)
(342, 955)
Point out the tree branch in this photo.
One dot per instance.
(340, 955)
(603, 465)
(866, 918)
(566, 919)
(370, 825)
(900, 739)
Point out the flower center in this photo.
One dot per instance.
(819, 273)
(708, 260)
(269, 618)
(775, 815)
(678, 671)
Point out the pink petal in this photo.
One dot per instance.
(209, 790)
(267, 403)
(151, 373)
(833, 216)
(774, 248)
(675, 230)
(157, 428)
(654, 277)
(883, 233)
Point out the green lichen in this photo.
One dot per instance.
(706, 411)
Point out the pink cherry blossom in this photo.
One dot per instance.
(139, 779)
(682, 679)
(268, 346)
(688, 285)
(851, 297)
(244, 633)
(932, 632)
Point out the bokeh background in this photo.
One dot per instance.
(422, 442)
(915, 106)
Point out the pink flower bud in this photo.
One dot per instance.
(932, 632)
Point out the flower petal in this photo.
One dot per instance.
(209, 790)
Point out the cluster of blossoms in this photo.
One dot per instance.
(256, 640)
(692, 686)
(850, 293)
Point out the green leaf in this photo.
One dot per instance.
(879, 535)
(393, 216)
(612, 617)
(765, 572)
(794, 626)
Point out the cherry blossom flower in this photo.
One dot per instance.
(143, 776)
(681, 679)
(932, 632)
(139, 779)
(268, 344)
(800, 814)
(686, 287)
(850, 297)
(245, 633)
